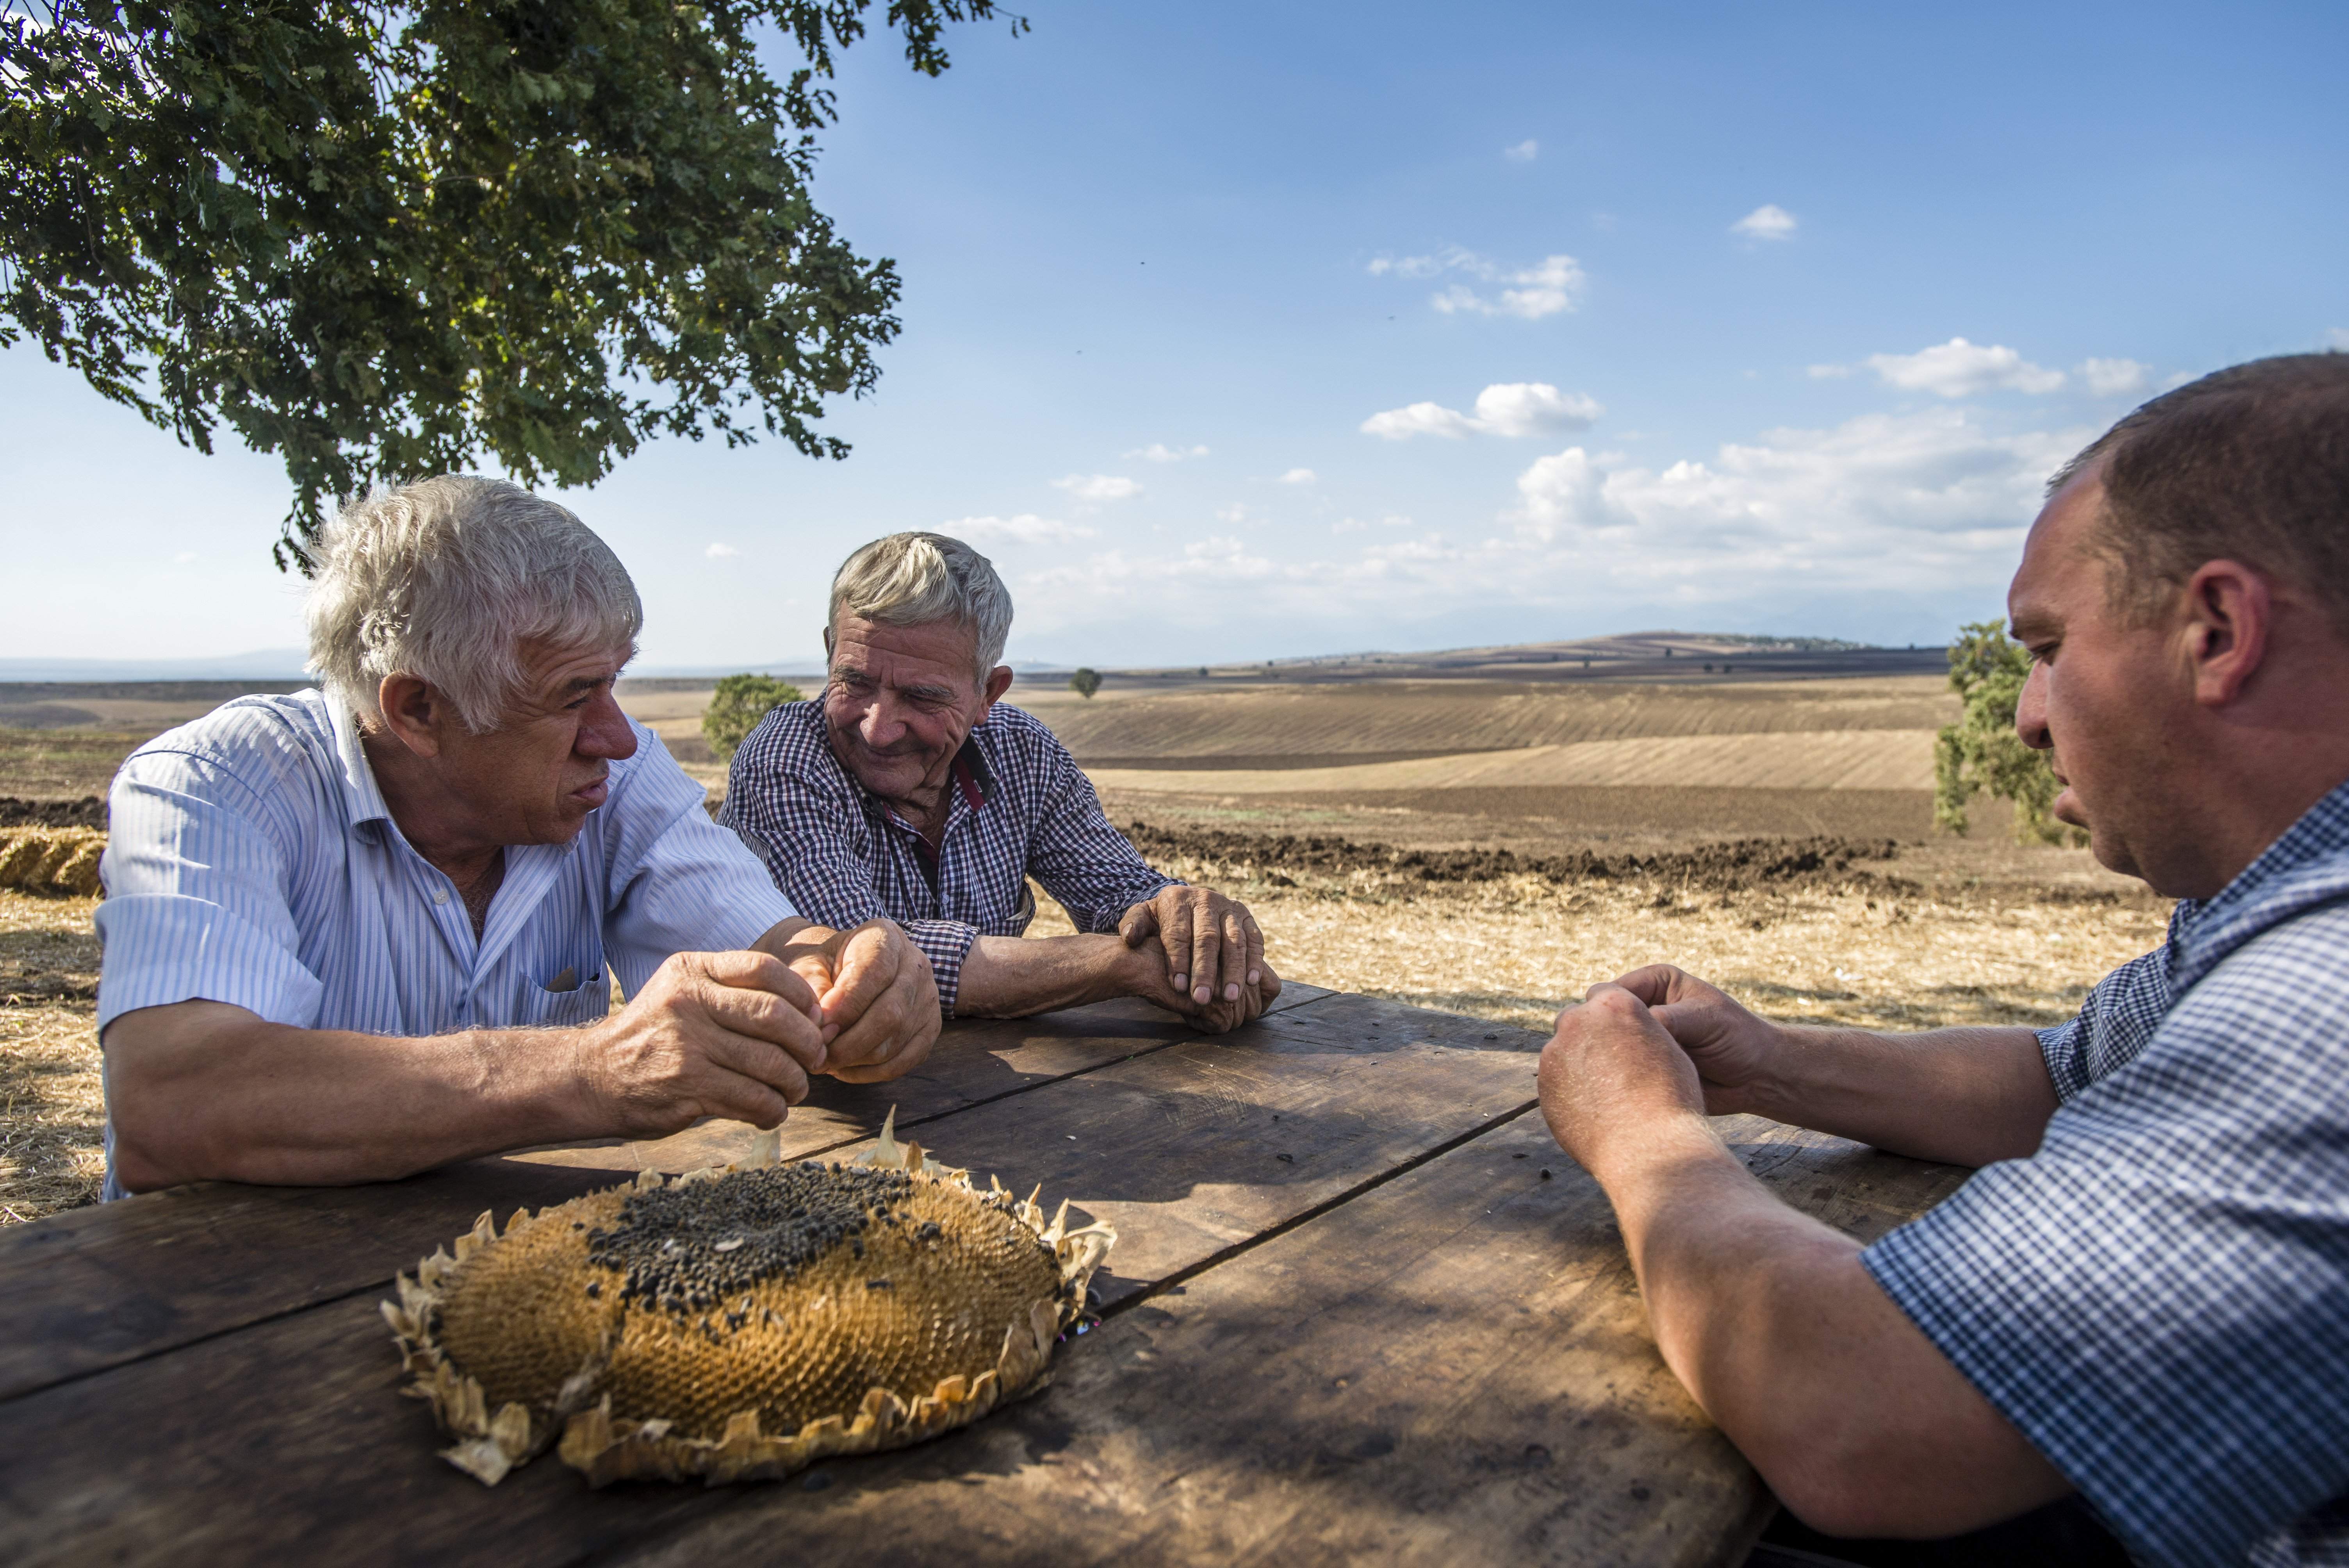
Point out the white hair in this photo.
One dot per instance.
(913, 579)
(445, 580)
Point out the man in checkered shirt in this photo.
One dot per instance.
(2142, 1297)
(910, 791)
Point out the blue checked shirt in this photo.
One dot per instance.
(250, 860)
(2158, 1299)
(1020, 806)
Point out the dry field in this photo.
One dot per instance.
(1633, 778)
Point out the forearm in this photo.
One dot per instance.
(236, 1099)
(1015, 976)
(1967, 1095)
(1768, 1317)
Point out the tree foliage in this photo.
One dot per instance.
(737, 707)
(385, 240)
(1085, 682)
(1981, 752)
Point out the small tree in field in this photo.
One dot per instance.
(737, 707)
(1981, 752)
(1084, 683)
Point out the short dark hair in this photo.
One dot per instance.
(2250, 463)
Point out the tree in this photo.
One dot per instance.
(1981, 751)
(385, 240)
(737, 707)
(1084, 683)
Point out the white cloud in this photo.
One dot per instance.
(2114, 377)
(1099, 487)
(1504, 409)
(185, 557)
(1026, 528)
(1235, 512)
(720, 552)
(1881, 493)
(1298, 477)
(1879, 517)
(2337, 339)
(1830, 372)
(1961, 369)
(1160, 452)
(1534, 408)
(1547, 288)
(1768, 222)
(1525, 151)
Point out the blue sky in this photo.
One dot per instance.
(1470, 309)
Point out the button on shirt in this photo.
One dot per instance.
(1017, 805)
(250, 860)
(2158, 1299)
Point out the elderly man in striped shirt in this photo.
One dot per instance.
(361, 931)
(912, 791)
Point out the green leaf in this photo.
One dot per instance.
(386, 242)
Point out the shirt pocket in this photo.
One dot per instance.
(580, 994)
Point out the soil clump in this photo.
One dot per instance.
(89, 811)
(1732, 866)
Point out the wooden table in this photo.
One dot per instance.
(1361, 1308)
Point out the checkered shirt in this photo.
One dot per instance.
(2158, 1299)
(1018, 807)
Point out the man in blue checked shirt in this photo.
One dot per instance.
(359, 932)
(2143, 1294)
(912, 792)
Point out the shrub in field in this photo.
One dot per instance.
(57, 861)
(1981, 752)
(1084, 683)
(737, 707)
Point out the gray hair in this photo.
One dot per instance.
(445, 580)
(913, 579)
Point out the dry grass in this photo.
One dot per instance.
(52, 1105)
(61, 764)
(1518, 951)
(1811, 759)
(1431, 716)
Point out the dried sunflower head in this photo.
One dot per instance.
(742, 1322)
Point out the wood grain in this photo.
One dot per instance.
(1457, 1366)
(95, 1287)
(148, 1460)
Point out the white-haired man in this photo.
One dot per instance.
(361, 931)
(911, 790)
(2144, 1293)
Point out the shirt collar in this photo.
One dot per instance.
(2308, 865)
(362, 799)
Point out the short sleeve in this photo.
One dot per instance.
(197, 906)
(2159, 1299)
(679, 882)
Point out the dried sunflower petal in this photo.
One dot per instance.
(740, 1323)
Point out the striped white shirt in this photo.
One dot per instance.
(251, 859)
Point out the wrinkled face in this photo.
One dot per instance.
(534, 780)
(2105, 697)
(900, 701)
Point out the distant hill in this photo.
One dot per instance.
(283, 664)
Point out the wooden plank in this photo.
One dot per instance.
(1455, 1366)
(975, 1062)
(1453, 1363)
(1184, 1147)
(94, 1287)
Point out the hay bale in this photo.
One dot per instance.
(56, 861)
